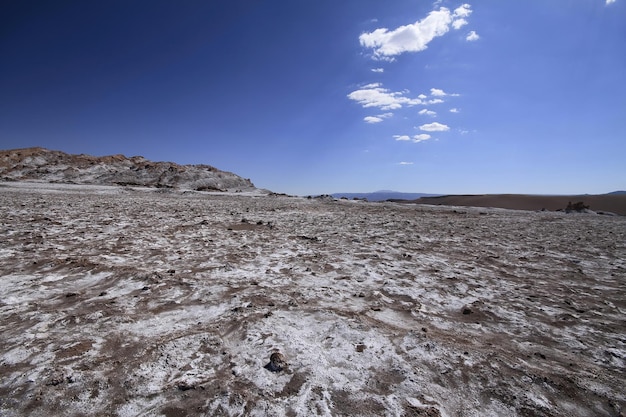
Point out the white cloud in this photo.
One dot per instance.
(463, 11)
(610, 2)
(437, 92)
(472, 36)
(405, 163)
(459, 23)
(378, 70)
(413, 37)
(401, 137)
(422, 96)
(421, 137)
(372, 119)
(435, 101)
(454, 110)
(428, 112)
(460, 13)
(434, 127)
(378, 118)
(374, 95)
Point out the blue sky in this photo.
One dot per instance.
(309, 97)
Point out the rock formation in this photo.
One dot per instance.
(39, 164)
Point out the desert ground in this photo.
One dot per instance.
(139, 302)
(601, 203)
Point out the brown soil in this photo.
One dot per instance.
(605, 202)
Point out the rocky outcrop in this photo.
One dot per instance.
(39, 164)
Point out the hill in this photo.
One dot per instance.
(613, 203)
(44, 165)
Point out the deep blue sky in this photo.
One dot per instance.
(308, 97)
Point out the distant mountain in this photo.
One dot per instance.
(617, 193)
(39, 164)
(383, 195)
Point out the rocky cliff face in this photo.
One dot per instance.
(39, 164)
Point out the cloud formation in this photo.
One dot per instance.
(374, 95)
(421, 137)
(472, 36)
(610, 2)
(434, 127)
(405, 163)
(426, 112)
(414, 37)
(378, 118)
(417, 138)
(378, 70)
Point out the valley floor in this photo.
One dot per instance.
(120, 301)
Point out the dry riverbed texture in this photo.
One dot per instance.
(120, 301)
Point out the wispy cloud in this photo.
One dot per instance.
(414, 37)
(436, 92)
(372, 119)
(378, 118)
(374, 95)
(405, 163)
(472, 36)
(454, 110)
(421, 137)
(426, 112)
(378, 70)
(416, 138)
(610, 2)
(434, 127)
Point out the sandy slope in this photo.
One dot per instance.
(132, 302)
(612, 203)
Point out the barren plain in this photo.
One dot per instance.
(136, 302)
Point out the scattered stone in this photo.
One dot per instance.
(185, 386)
(55, 380)
(467, 310)
(277, 362)
(360, 347)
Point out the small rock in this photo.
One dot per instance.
(184, 386)
(277, 362)
(360, 347)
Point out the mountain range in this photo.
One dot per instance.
(383, 195)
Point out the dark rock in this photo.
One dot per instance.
(277, 362)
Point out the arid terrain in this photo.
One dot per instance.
(606, 204)
(118, 301)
